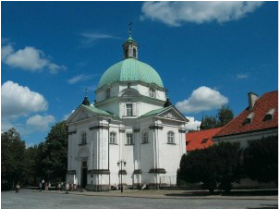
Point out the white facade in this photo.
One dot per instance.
(130, 122)
(153, 162)
(244, 138)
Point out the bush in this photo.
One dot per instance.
(261, 160)
(213, 166)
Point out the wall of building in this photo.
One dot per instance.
(117, 105)
(100, 155)
(244, 138)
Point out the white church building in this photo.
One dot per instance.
(131, 126)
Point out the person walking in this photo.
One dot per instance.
(17, 187)
(67, 188)
(40, 186)
(46, 186)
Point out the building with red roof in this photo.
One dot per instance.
(259, 119)
(200, 139)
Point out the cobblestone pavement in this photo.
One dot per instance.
(31, 199)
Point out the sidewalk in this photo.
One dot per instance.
(182, 194)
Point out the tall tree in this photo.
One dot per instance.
(12, 158)
(53, 153)
(208, 122)
(224, 115)
(31, 169)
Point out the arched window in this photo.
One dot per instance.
(135, 53)
(126, 53)
(83, 138)
(152, 92)
(112, 138)
(170, 137)
(145, 138)
(108, 93)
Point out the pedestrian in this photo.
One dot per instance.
(17, 187)
(46, 186)
(67, 188)
(59, 186)
(40, 186)
(49, 186)
(43, 184)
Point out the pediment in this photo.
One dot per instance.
(173, 114)
(80, 114)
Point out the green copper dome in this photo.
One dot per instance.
(130, 69)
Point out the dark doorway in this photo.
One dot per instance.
(84, 174)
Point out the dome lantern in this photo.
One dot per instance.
(130, 47)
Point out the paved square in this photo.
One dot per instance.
(29, 199)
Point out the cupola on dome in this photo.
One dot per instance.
(130, 69)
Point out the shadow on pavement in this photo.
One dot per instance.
(265, 206)
(233, 193)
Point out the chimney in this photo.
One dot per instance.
(252, 98)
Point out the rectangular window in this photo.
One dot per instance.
(83, 138)
(171, 137)
(112, 139)
(129, 137)
(129, 109)
(145, 138)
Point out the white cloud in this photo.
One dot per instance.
(29, 58)
(5, 125)
(80, 78)
(89, 38)
(20, 101)
(192, 124)
(202, 99)
(41, 123)
(94, 36)
(176, 13)
(242, 76)
(6, 51)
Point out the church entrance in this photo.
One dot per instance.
(84, 174)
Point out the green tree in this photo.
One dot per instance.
(12, 158)
(216, 165)
(53, 154)
(224, 115)
(31, 165)
(208, 122)
(261, 159)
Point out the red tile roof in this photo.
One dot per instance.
(263, 104)
(200, 139)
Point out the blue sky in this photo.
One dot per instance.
(207, 54)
